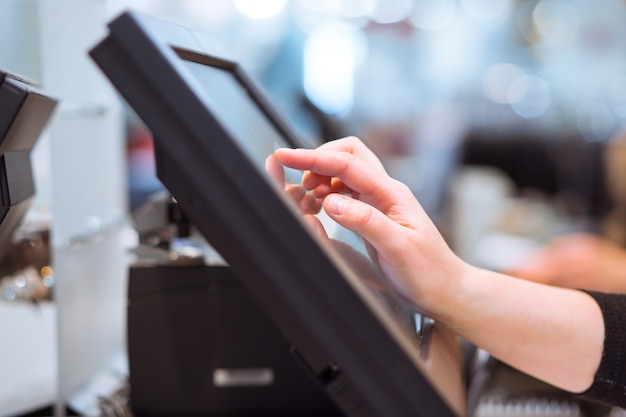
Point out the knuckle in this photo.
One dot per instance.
(352, 139)
(364, 215)
(399, 187)
(344, 163)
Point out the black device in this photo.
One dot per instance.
(198, 344)
(24, 112)
(213, 130)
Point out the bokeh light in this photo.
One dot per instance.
(318, 5)
(356, 8)
(498, 80)
(213, 13)
(487, 11)
(556, 21)
(529, 96)
(331, 56)
(391, 11)
(255, 9)
(433, 15)
(617, 95)
(595, 121)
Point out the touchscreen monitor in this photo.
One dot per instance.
(24, 112)
(213, 129)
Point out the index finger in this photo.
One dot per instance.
(275, 170)
(358, 174)
(354, 146)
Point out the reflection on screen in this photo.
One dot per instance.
(258, 138)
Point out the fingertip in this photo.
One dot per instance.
(316, 225)
(282, 152)
(275, 170)
(279, 152)
(311, 180)
(296, 192)
(287, 150)
(336, 204)
(309, 204)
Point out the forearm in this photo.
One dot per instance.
(551, 333)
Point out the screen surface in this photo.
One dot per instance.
(258, 137)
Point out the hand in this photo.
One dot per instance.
(358, 194)
(309, 206)
(307, 202)
(525, 324)
(582, 261)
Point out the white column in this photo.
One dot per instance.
(88, 195)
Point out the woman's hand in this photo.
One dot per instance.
(307, 202)
(358, 194)
(525, 324)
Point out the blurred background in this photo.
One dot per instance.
(492, 111)
(534, 90)
(505, 117)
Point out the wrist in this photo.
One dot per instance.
(448, 295)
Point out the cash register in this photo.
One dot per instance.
(287, 298)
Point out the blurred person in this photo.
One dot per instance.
(581, 260)
(569, 338)
(615, 162)
(584, 260)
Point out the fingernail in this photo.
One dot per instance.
(337, 204)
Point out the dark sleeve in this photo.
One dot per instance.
(609, 384)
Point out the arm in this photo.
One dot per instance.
(538, 329)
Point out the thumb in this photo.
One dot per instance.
(357, 216)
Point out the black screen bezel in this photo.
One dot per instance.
(256, 230)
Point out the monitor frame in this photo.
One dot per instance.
(25, 110)
(306, 289)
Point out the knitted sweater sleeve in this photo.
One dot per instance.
(609, 385)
